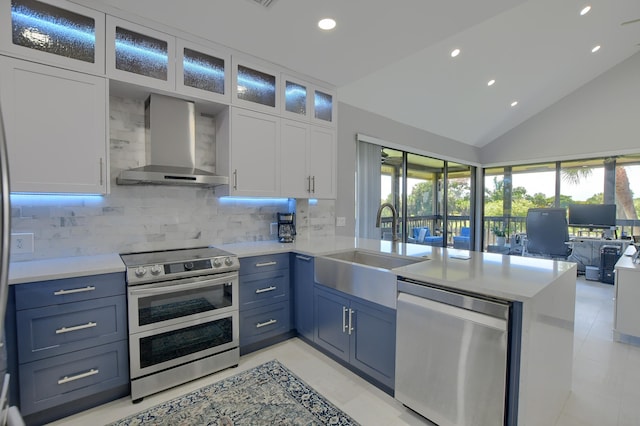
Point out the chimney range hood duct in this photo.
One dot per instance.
(170, 147)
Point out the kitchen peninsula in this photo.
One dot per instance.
(542, 290)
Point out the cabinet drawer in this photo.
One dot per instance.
(45, 293)
(264, 288)
(269, 262)
(262, 323)
(61, 379)
(58, 329)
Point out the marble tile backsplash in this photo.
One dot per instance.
(139, 218)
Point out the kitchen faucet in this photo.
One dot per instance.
(394, 220)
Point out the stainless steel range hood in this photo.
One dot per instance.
(170, 147)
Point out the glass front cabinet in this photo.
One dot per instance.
(54, 32)
(203, 72)
(255, 86)
(140, 55)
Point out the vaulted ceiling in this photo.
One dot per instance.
(393, 57)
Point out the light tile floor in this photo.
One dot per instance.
(606, 377)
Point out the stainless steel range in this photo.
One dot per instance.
(183, 316)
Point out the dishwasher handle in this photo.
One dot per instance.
(488, 306)
(464, 314)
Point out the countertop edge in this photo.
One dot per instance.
(64, 267)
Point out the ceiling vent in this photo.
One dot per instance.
(265, 3)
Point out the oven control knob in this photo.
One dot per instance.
(156, 269)
(228, 261)
(188, 266)
(140, 271)
(217, 263)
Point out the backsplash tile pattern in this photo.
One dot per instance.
(138, 218)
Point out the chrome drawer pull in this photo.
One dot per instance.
(301, 257)
(260, 265)
(76, 327)
(264, 324)
(74, 290)
(266, 289)
(67, 379)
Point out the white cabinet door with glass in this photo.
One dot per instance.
(248, 151)
(202, 72)
(140, 55)
(54, 32)
(56, 128)
(255, 86)
(306, 101)
(308, 155)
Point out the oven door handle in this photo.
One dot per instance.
(173, 288)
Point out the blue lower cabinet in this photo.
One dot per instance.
(263, 323)
(303, 282)
(358, 332)
(62, 379)
(332, 311)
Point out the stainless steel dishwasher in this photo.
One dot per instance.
(451, 355)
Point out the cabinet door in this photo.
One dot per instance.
(255, 159)
(295, 181)
(54, 32)
(140, 55)
(303, 291)
(627, 318)
(331, 322)
(322, 164)
(296, 98)
(373, 342)
(324, 107)
(56, 128)
(255, 86)
(203, 72)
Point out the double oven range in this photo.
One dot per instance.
(183, 316)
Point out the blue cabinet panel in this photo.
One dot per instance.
(269, 262)
(263, 288)
(331, 314)
(57, 380)
(53, 330)
(303, 282)
(373, 345)
(264, 322)
(44, 293)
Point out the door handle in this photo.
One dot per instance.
(266, 323)
(344, 319)
(90, 324)
(350, 321)
(74, 290)
(266, 289)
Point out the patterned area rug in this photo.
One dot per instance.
(265, 395)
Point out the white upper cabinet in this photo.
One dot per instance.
(324, 106)
(248, 151)
(308, 155)
(255, 86)
(54, 32)
(56, 128)
(140, 55)
(202, 72)
(296, 98)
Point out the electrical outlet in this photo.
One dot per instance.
(273, 228)
(341, 221)
(22, 243)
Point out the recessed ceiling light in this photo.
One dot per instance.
(585, 10)
(455, 52)
(491, 82)
(595, 49)
(327, 24)
(514, 103)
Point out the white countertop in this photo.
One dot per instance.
(506, 277)
(626, 262)
(64, 267)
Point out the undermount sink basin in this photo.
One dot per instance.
(362, 274)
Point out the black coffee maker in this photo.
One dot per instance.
(286, 227)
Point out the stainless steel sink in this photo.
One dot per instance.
(361, 273)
